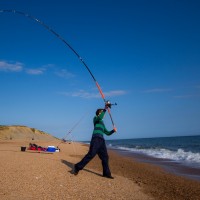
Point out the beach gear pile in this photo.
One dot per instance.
(35, 147)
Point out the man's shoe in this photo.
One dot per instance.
(111, 177)
(75, 170)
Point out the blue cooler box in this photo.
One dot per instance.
(51, 149)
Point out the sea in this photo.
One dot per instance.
(178, 155)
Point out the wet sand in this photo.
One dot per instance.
(32, 175)
(171, 166)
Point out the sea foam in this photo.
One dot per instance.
(180, 155)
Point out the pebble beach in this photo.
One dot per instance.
(41, 175)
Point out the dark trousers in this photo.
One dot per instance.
(97, 147)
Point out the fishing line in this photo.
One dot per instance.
(70, 131)
(68, 45)
(72, 142)
(74, 147)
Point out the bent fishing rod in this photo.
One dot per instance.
(75, 52)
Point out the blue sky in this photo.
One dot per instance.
(144, 54)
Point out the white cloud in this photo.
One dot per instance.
(11, 67)
(157, 90)
(65, 74)
(86, 94)
(81, 93)
(114, 93)
(35, 71)
(41, 70)
(187, 96)
(48, 66)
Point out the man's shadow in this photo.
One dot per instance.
(71, 165)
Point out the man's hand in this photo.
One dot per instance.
(115, 129)
(107, 105)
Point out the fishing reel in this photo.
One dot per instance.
(109, 104)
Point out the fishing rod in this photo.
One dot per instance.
(75, 52)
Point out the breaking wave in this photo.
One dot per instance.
(179, 155)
